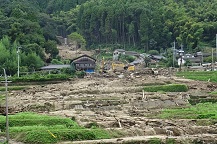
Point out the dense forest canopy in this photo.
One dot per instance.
(136, 24)
(32, 25)
(149, 24)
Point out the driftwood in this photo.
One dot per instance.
(119, 122)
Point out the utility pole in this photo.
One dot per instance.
(18, 61)
(6, 110)
(174, 47)
(212, 61)
(216, 46)
(202, 58)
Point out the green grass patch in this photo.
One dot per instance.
(106, 56)
(201, 76)
(2, 98)
(55, 135)
(150, 84)
(41, 129)
(13, 88)
(202, 100)
(214, 93)
(154, 141)
(167, 88)
(39, 77)
(198, 111)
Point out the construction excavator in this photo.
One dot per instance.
(121, 67)
(129, 66)
(116, 66)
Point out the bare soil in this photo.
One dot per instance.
(70, 52)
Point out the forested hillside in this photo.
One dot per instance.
(32, 25)
(149, 24)
(135, 24)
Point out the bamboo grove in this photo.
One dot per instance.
(149, 24)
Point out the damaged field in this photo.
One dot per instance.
(139, 107)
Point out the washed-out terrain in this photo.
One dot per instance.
(117, 101)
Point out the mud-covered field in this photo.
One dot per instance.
(119, 102)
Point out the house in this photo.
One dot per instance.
(191, 59)
(84, 63)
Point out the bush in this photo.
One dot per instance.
(167, 88)
(153, 52)
(92, 125)
(205, 116)
(154, 141)
(127, 58)
(80, 74)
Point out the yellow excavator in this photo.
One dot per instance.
(117, 66)
(122, 66)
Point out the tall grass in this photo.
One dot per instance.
(167, 88)
(201, 76)
(199, 111)
(13, 88)
(32, 119)
(41, 129)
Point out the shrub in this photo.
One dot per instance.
(128, 58)
(205, 116)
(167, 88)
(92, 125)
(80, 74)
(153, 52)
(170, 141)
(154, 141)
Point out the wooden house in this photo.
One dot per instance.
(84, 63)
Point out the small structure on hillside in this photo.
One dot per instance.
(84, 63)
(117, 53)
(193, 61)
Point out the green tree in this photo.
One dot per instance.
(32, 61)
(78, 39)
(8, 56)
(51, 48)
